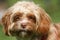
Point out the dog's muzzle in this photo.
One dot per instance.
(21, 31)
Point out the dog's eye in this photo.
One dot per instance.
(16, 18)
(32, 18)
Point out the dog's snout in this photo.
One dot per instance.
(23, 25)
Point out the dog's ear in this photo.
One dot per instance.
(45, 21)
(6, 21)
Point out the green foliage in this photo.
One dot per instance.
(11, 2)
(3, 36)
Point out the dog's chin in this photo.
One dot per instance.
(24, 33)
(21, 33)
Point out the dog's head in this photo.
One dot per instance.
(25, 18)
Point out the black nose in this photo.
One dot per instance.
(23, 25)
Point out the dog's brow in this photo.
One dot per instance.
(30, 14)
(18, 13)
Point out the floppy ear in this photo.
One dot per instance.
(6, 21)
(45, 21)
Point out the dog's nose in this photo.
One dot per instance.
(23, 25)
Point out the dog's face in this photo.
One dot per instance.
(22, 23)
(24, 19)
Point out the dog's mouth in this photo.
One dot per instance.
(21, 33)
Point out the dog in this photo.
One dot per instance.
(26, 20)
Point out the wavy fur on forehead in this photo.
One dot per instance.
(42, 18)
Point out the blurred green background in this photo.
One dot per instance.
(52, 7)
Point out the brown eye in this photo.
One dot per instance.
(16, 18)
(32, 18)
